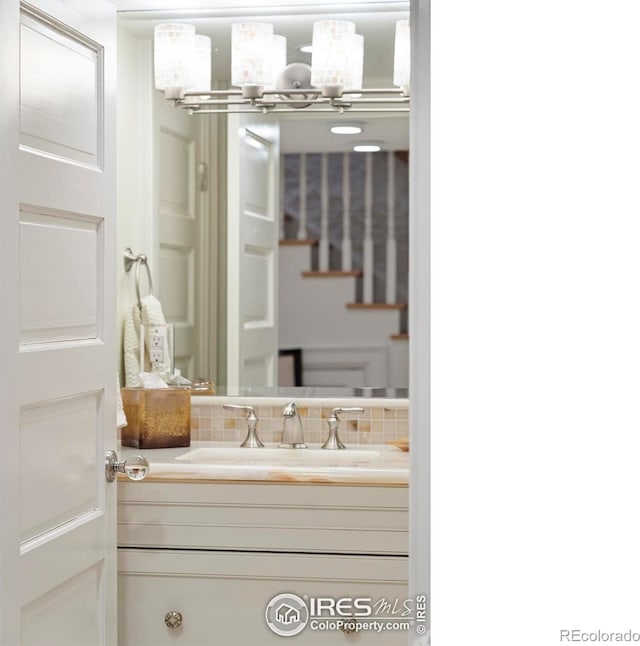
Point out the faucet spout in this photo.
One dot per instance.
(292, 435)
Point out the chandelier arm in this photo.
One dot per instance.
(334, 103)
(194, 109)
(192, 104)
(212, 93)
(292, 91)
(381, 99)
(315, 90)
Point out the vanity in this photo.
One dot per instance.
(215, 532)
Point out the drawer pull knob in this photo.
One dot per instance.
(173, 620)
(349, 627)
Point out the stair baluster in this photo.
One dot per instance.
(302, 191)
(346, 213)
(323, 259)
(367, 247)
(391, 267)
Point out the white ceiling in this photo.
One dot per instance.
(375, 20)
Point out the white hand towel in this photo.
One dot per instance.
(121, 418)
(131, 347)
(151, 316)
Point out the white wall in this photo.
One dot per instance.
(535, 321)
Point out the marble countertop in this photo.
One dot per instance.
(365, 464)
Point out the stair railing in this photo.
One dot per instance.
(387, 235)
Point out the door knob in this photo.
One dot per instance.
(136, 468)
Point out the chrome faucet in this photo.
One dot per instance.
(333, 441)
(252, 441)
(292, 437)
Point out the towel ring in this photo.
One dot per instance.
(140, 259)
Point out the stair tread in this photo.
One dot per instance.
(334, 273)
(376, 306)
(296, 242)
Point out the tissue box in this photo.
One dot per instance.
(157, 418)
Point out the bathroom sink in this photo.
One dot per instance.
(206, 460)
(277, 456)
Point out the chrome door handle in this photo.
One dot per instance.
(135, 468)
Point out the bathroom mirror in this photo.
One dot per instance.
(194, 285)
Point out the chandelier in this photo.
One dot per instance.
(265, 83)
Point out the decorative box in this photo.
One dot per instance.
(157, 418)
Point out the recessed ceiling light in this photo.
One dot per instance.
(367, 148)
(305, 49)
(346, 129)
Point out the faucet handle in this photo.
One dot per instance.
(352, 409)
(252, 441)
(290, 410)
(333, 441)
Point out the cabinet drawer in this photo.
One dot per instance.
(264, 516)
(222, 597)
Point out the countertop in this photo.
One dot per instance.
(365, 464)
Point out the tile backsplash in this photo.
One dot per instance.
(383, 419)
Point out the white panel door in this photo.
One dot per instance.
(179, 203)
(253, 164)
(57, 412)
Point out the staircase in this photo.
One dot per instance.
(343, 342)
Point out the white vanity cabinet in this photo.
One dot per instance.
(215, 553)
